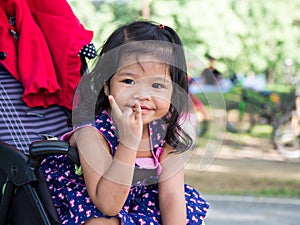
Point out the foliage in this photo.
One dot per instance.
(243, 35)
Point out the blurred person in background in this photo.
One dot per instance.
(211, 75)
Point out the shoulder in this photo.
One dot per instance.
(172, 160)
(166, 152)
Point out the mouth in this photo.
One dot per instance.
(144, 109)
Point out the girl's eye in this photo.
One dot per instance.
(157, 85)
(128, 81)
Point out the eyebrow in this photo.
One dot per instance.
(162, 79)
(127, 73)
(159, 77)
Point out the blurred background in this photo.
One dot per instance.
(254, 46)
(244, 35)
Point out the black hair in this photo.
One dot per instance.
(140, 38)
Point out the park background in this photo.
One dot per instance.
(243, 35)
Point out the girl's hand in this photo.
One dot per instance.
(129, 123)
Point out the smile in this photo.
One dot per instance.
(145, 108)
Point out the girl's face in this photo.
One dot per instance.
(147, 82)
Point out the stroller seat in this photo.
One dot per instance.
(23, 173)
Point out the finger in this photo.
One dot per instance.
(128, 112)
(114, 106)
(138, 111)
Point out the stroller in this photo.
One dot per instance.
(58, 55)
(25, 177)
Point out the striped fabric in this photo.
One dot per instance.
(21, 125)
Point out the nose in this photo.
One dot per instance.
(142, 94)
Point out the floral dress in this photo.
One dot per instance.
(74, 206)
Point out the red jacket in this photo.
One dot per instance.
(45, 57)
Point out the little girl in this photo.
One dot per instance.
(128, 132)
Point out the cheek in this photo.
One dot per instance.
(163, 105)
(119, 92)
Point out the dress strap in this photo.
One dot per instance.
(158, 131)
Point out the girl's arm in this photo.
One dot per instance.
(171, 190)
(107, 179)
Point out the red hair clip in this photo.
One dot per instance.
(161, 26)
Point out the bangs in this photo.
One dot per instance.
(150, 51)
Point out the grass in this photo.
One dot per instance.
(285, 93)
(261, 131)
(238, 180)
(266, 188)
(240, 183)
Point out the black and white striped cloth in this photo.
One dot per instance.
(21, 125)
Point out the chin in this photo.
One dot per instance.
(146, 119)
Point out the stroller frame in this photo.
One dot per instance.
(24, 172)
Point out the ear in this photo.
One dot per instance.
(106, 90)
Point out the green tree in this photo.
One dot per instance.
(243, 35)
